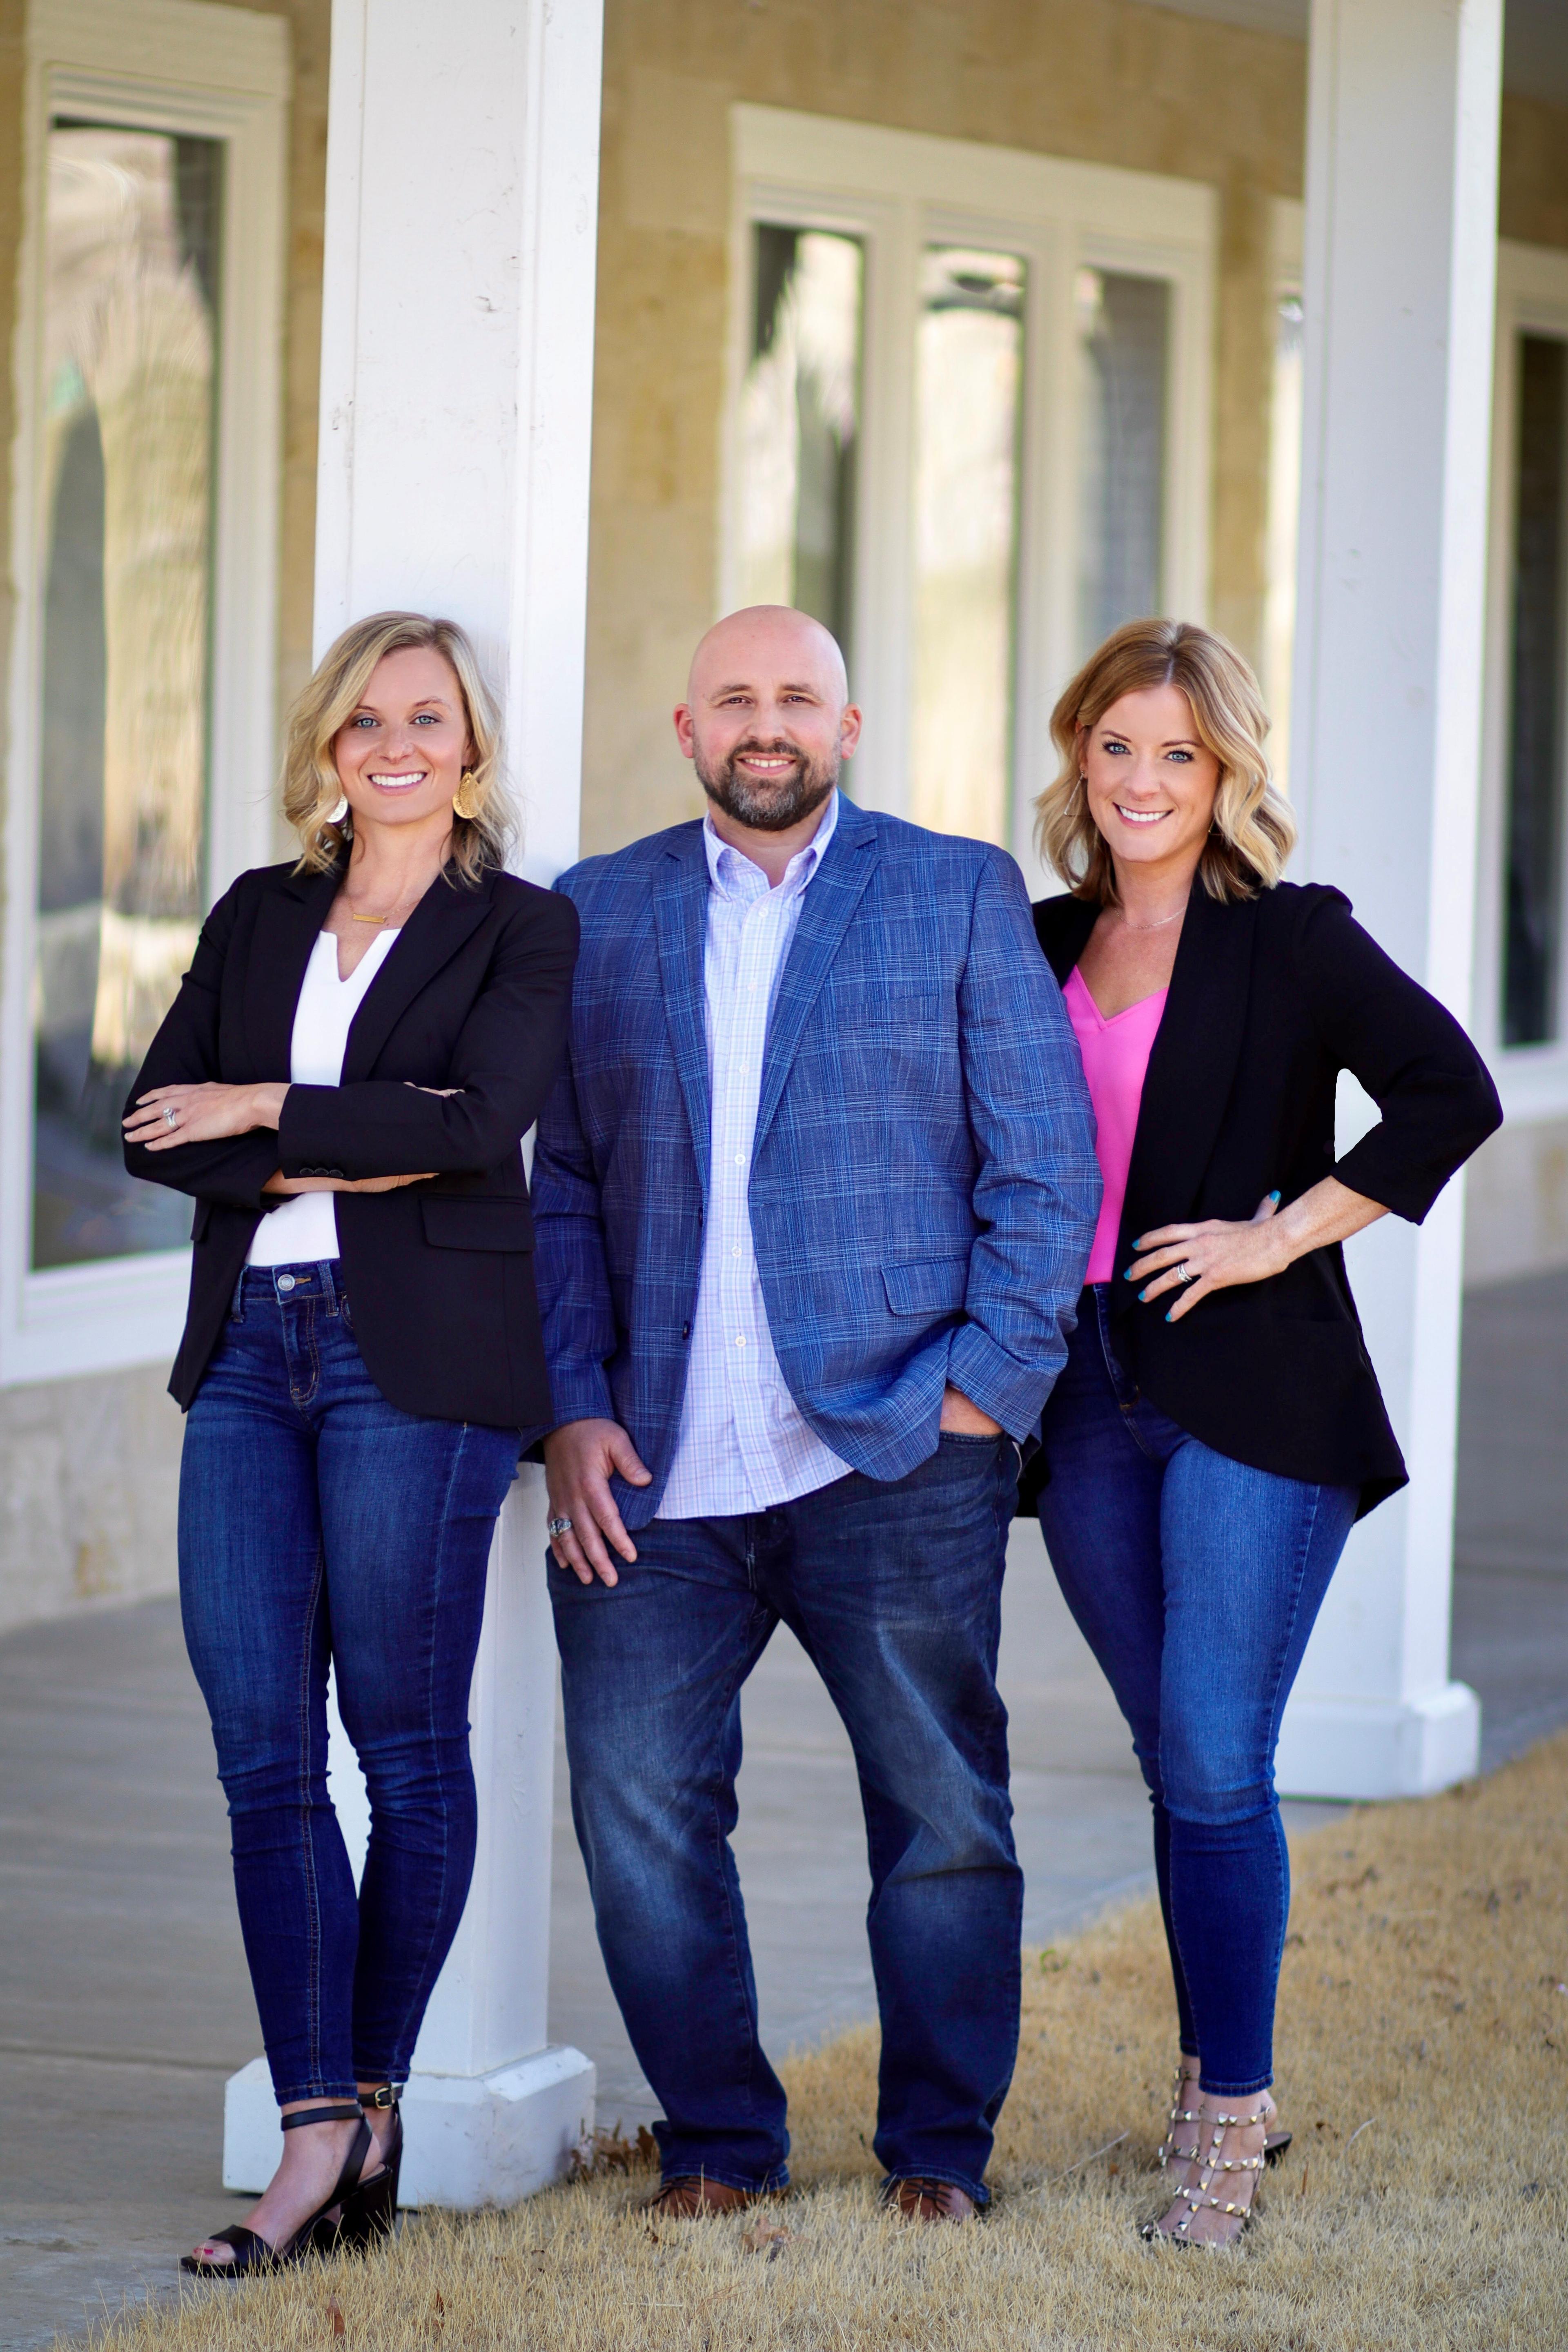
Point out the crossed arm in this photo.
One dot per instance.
(207, 1112)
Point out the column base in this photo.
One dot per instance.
(1350, 1748)
(472, 2140)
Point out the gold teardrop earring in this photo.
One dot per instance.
(468, 801)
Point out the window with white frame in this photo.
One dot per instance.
(969, 429)
(1522, 968)
(1286, 323)
(141, 696)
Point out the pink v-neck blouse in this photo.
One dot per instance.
(1115, 1061)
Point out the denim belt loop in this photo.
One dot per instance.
(328, 1268)
(237, 1304)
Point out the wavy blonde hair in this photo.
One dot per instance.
(1253, 832)
(311, 787)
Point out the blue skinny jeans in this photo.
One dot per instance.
(1195, 1581)
(893, 1589)
(318, 1524)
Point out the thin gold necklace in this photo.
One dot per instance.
(1136, 929)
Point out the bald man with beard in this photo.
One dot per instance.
(814, 1196)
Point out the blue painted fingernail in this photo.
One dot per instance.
(1275, 1197)
(1142, 1294)
(1168, 1318)
(1128, 1275)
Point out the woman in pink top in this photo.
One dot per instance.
(1218, 1427)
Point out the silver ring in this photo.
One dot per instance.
(171, 1116)
(1184, 1273)
(554, 1527)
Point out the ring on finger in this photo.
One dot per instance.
(558, 1527)
(1184, 1273)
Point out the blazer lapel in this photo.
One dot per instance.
(831, 897)
(1192, 1067)
(444, 918)
(287, 925)
(680, 927)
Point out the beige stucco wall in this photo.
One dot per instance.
(1516, 1203)
(1105, 80)
(88, 1468)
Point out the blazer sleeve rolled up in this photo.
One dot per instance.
(1409, 1054)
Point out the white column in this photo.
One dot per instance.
(1401, 249)
(456, 395)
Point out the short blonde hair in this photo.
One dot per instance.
(1254, 830)
(312, 788)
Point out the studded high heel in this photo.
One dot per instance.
(1274, 2143)
(1214, 2166)
(252, 2251)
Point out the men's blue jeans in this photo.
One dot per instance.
(1195, 1581)
(320, 1525)
(894, 1591)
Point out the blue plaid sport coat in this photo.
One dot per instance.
(924, 1188)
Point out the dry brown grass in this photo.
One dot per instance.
(1422, 2062)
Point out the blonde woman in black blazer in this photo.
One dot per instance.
(1218, 1426)
(343, 1086)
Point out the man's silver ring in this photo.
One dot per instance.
(554, 1527)
(171, 1116)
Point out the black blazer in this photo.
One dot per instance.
(1271, 999)
(474, 994)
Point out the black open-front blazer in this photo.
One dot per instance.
(1271, 999)
(474, 994)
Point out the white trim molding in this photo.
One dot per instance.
(899, 191)
(212, 72)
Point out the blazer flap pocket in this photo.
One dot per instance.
(476, 1223)
(927, 1285)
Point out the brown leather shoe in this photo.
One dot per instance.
(689, 2196)
(931, 2200)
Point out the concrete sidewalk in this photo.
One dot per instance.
(123, 1995)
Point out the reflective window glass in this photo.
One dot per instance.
(130, 301)
(800, 423)
(1533, 844)
(1284, 511)
(969, 375)
(1124, 340)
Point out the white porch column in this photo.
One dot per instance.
(456, 394)
(1401, 249)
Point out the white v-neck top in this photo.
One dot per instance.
(306, 1228)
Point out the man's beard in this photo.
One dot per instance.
(771, 806)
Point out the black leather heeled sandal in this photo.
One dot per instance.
(370, 2212)
(252, 2252)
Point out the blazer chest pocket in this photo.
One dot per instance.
(927, 1285)
(477, 1224)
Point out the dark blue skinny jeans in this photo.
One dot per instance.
(318, 1525)
(893, 1590)
(1195, 1581)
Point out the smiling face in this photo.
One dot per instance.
(1150, 781)
(401, 756)
(767, 719)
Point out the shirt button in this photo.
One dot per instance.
(736, 1251)
(740, 1338)
(740, 1159)
(285, 1282)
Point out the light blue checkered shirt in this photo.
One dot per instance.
(743, 1445)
